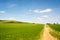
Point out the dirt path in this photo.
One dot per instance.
(46, 35)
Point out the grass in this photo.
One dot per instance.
(20, 31)
(55, 30)
(56, 27)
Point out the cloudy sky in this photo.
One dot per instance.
(38, 11)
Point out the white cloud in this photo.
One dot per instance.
(45, 16)
(56, 20)
(43, 19)
(12, 18)
(41, 11)
(40, 19)
(46, 11)
(2, 11)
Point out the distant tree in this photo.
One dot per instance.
(57, 23)
(0, 20)
(47, 23)
(33, 23)
(54, 23)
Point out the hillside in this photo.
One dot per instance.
(10, 21)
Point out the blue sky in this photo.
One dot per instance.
(37, 11)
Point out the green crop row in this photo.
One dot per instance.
(55, 27)
(20, 31)
(55, 30)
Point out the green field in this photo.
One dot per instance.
(55, 30)
(20, 31)
(56, 27)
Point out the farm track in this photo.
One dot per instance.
(46, 35)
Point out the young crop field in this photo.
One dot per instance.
(55, 30)
(20, 31)
(56, 27)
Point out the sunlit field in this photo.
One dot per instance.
(20, 31)
(55, 30)
(56, 27)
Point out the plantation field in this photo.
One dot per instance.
(55, 27)
(55, 30)
(20, 31)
